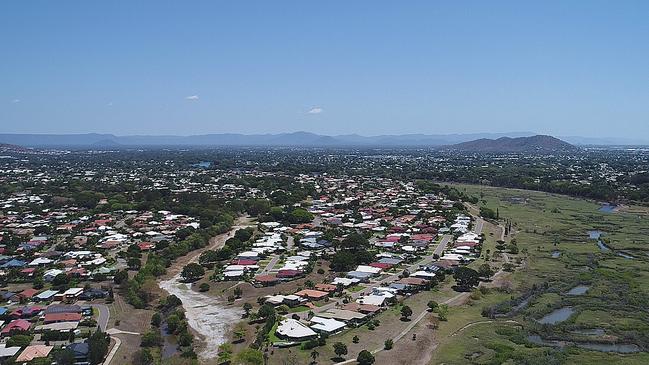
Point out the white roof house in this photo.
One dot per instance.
(73, 292)
(40, 261)
(372, 299)
(233, 274)
(342, 314)
(452, 257)
(46, 295)
(51, 274)
(59, 326)
(8, 351)
(271, 224)
(293, 329)
(279, 299)
(326, 325)
(248, 255)
(345, 281)
(369, 269)
(422, 274)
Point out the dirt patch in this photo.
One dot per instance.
(411, 352)
(126, 318)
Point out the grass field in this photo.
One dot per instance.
(616, 302)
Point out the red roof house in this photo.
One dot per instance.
(62, 317)
(16, 325)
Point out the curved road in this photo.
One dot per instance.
(104, 316)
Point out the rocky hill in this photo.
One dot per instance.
(538, 143)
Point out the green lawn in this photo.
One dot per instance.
(355, 288)
(299, 308)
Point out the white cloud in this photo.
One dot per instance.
(316, 110)
(192, 97)
(15, 101)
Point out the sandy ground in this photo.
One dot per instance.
(209, 317)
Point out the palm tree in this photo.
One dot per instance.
(314, 355)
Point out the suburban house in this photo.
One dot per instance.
(326, 325)
(294, 330)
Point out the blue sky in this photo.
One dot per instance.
(334, 67)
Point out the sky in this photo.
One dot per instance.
(567, 68)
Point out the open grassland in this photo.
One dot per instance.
(614, 310)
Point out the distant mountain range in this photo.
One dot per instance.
(6, 147)
(306, 139)
(538, 143)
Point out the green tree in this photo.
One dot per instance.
(365, 358)
(487, 213)
(442, 312)
(143, 357)
(60, 281)
(466, 277)
(151, 339)
(225, 353)
(266, 311)
(314, 355)
(156, 319)
(406, 312)
(432, 305)
(247, 307)
(19, 340)
(485, 271)
(340, 349)
(250, 356)
(237, 292)
(98, 347)
(300, 215)
(388, 344)
(192, 272)
(64, 357)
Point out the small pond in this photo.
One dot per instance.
(169, 345)
(603, 247)
(622, 348)
(578, 290)
(608, 208)
(625, 255)
(557, 316)
(595, 235)
(203, 164)
(556, 254)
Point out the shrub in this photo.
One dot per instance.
(388, 344)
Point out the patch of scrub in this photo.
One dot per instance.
(208, 316)
(558, 315)
(603, 347)
(590, 332)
